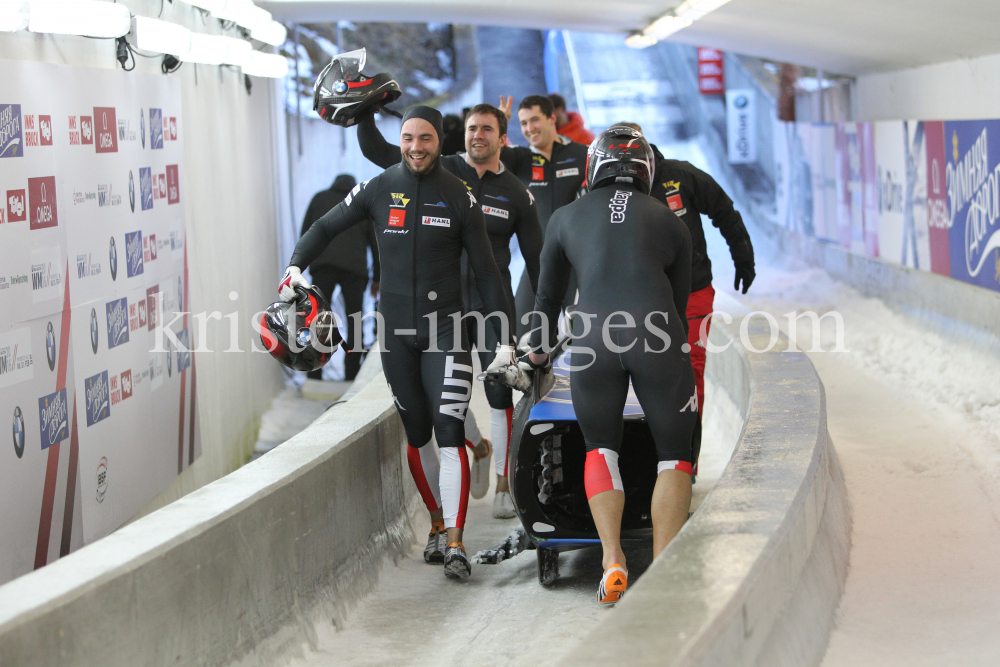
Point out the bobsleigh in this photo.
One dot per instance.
(547, 456)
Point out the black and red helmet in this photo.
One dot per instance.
(620, 154)
(342, 94)
(301, 334)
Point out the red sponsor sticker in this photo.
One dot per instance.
(126, 384)
(17, 206)
(538, 173)
(162, 180)
(397, 217)
(173, 185)
(106, 129)
(42, 202)
(674, 202)
(45, 130)
(87, 129)
(152, 301)
(173, 128)
(152, 246)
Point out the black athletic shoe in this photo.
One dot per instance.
(456, 562)
(436, 544)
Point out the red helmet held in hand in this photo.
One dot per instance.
(301, 334)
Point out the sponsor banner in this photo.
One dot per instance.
(850, 193)
(938, 217)
(869, 181)
(11, 134)
(16, 358)
(741, 125)
(922, 194)
(88, 186)
(106, 130)
(972, 174)
(711, 74)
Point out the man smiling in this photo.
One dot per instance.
(509, 209)
(424, 219)
(553, 169)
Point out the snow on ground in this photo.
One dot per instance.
(915, 418)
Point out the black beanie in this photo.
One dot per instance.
(431, 115)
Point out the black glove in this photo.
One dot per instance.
(744, 272)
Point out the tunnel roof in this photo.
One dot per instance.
(843, 36)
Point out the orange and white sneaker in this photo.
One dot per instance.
(437, 542)
(456, 562)
(613, 585)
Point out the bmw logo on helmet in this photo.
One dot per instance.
(113, 259)
(340, 86)
(93, 330)
(18, 432)
(50, 347)
(131, 191)
(142, 127)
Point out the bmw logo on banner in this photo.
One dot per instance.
(131, 192)
(18, 432)
(50, 347)
(142, 127)
(113, 259)
(94, 333)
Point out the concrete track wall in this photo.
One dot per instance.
(754, 578)
(236, 572)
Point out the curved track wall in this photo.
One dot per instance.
(238, 571)
(755, 576)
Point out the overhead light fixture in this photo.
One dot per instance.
(14, 15)
(239, 52)
(208, 5)
(160, 36)
(266, 65)
(89, 18)
(273, 33)
(680, 17)
(637, 40)
(207, 49)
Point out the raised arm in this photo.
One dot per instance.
(553, 281)
(712, 200)
(374, 146)
(529, 237)
(477, 246)
(351, 211)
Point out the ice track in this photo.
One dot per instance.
(417, 617)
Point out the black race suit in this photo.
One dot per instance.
(509, 209)
(633, 259)
(422, 224)
(554, 182)
(689, 192)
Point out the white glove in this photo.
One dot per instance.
(505, 356)
(293, 278)
(506, 371)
